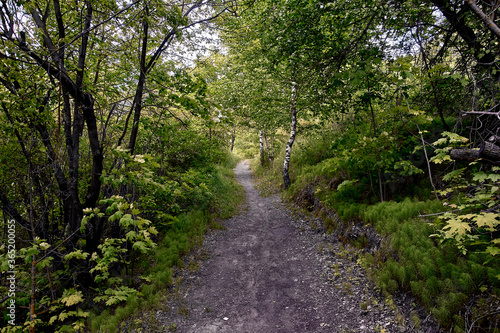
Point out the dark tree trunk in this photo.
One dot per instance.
(374, 126)
(83, 113)
(140, 87)
(458, 22)
(488, 21)
(495, 139)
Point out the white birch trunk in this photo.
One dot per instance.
(289, 144)
(261, 147)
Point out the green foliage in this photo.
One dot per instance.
(435, 273)
(247, 144)
(69, 313)
(116, 295)
(183, 232)
(367, 110)
(438, 274)
(473, 222)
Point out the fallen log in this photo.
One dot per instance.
(464, 154)
(488, 152)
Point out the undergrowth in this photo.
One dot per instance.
(184, 233)
(443, 279)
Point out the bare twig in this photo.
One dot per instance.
(435, 214)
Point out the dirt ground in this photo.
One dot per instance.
(270, 270)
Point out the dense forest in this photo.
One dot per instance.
(121, 122)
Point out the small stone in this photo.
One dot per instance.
(225, 318)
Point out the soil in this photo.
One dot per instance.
(272, 270)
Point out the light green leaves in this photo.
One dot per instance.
(475, 220)
(78, 254)
(451, 138)
(71, 297)
(494, 251)
(457, 226)
(487, 220)
(406, 168)
(113, 296)
(482, 176)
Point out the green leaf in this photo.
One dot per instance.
(480, 176)
(487, 220)
(140, 246)
(44, 263)
(493, 250)
(131, 235)
(116, 216)
(440, 141)
(456, 227)
(78, 254)
(63, 315)
(126, 220)
(494, 177)
(71, 297)
(153, 230)
(453, 174)
(441, 157)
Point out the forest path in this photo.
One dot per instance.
(272, 272)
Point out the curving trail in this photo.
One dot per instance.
(265, 274)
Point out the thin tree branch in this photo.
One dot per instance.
(483, 17)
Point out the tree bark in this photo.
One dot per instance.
(459, 24)
(464, 154)
(140, 85)
(495, 139)
(432, 82)
(83, 113)
(374, 125)
(289, 144)
(261, 147)
(232, 139)
(485, 18)
(488, 151)
(269, 149)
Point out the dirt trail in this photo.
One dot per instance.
(272, 272)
